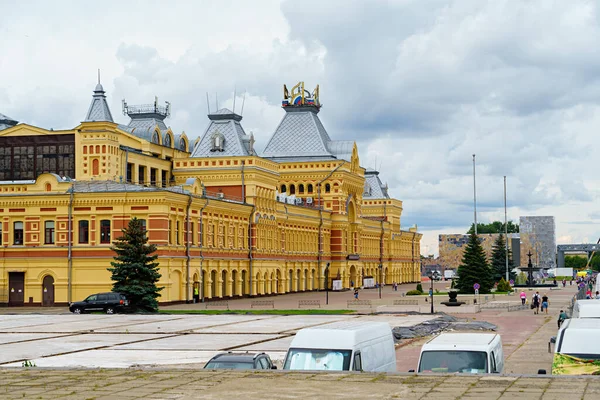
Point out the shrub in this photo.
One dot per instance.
(503, 286)
(419, 288)
(414, 292)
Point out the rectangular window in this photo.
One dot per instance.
(191, 234)
(84, 232)
(18, 233)
(105, 231)
(49, 232)
(170, 231)
(177, 233)
(143, 222)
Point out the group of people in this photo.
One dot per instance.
(537, 301)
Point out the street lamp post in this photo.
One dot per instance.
(380, 278)
(327, 284)
(431, 276)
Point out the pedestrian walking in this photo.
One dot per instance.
(523, 297)
(545, 303)
(356, 293)
(561, 318)
(535, 303)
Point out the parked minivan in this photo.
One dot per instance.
(577, 350)
(474, 353)
(343, 346)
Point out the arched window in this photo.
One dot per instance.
(283, 189)
(167, 140)
(292, 189)
(182, 144)
(310, 188)
(155, 138)
(48, 187)
(218, 142)
(301, 188)
(327, 188)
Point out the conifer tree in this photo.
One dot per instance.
(135, 272)
(474, 268)
(499, 260)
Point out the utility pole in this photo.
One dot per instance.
(506, 230)
(474, 197)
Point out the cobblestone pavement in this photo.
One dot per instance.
(34, 383)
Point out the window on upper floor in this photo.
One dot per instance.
(283, 189)
(143, 223)
(309, 188)
(182, 144)
(155, 138)
(301, 188)
(178, 241)
(167, 140)
(327, 188)
(18, 233)
(105, 231)
(49, 232)
(292, 189)
(84, 232)
(217, 142)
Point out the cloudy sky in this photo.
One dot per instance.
(421, 85)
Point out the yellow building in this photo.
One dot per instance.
(302, 215)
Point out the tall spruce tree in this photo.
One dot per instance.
(474, 268)
(499, 260)
(135, 272)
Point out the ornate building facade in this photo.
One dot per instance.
(225, 219)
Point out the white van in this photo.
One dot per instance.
(588, 308)
(343, 346)
(577, 350)
(475, 353)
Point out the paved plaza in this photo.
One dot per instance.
(84, 356)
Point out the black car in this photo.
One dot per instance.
(109, 303)
(231, 360)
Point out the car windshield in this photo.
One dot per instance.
(473, 362)
(229, 365)
(91, 298)
(318, 359)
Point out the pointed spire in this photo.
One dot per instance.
(99, 110)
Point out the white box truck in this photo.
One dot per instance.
(475, 353)
(449, 274)
(343, 346)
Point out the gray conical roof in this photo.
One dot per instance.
(99, 110)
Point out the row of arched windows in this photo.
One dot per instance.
(309, 188)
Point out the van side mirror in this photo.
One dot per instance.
(411, 370)
(541, 372)
(274, 367)
(553, 339)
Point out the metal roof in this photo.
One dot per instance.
(236, 141)
(374, 189)
(99, 110)
(301, 134)
(112, 186)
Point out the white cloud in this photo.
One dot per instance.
(421, 85)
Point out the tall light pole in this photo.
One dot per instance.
(327, 284)
(431, 276)
(474, 197)
(506, 230)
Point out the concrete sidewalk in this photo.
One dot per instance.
(36, 383)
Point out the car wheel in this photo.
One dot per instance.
(110, 310)
(77, 310)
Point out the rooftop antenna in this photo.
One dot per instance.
(217, 101)
(234, 90)
(98, 75)
(207, 103)
(243, 102)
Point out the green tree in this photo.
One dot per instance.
(521, 279)
(135, 272)
(494, 227)
(575, 262)
(498, 262)
(474, 268)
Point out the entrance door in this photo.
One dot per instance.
(48, 291)
(16, 288)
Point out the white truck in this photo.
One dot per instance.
(474, 353)
(449, 274)
(343, 346)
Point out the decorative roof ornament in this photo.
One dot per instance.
(300, 96)
(99, 110)
(147, 110)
